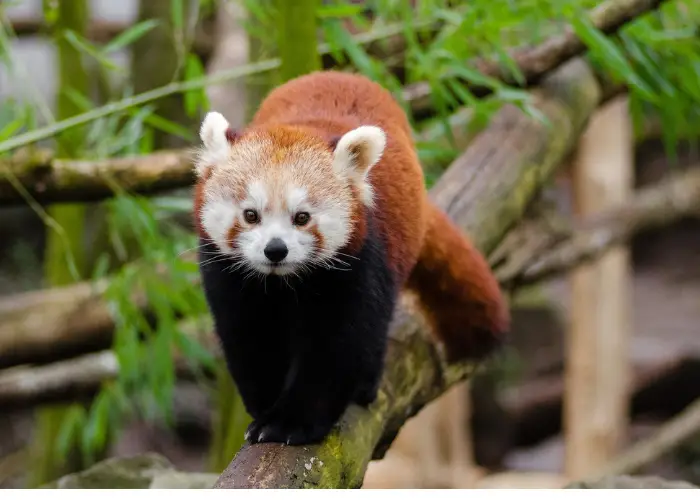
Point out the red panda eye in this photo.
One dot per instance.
(301, 218)
(251, 216)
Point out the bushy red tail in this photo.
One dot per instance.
(458, 291)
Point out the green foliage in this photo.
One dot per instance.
(657, 56)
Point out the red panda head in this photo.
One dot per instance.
(280, 199)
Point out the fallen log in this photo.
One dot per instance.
(49, 179)
(46, 325)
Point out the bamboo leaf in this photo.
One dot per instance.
(82, 45)
(129, 36)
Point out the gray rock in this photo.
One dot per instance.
(148, 471)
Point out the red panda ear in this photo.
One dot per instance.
(358, 150)
(356, 153)
(216, 137)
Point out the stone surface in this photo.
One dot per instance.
(148, 471)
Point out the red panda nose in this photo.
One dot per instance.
(276, 250)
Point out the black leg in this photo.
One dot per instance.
(337, 362)
(316, 397)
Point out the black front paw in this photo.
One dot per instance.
(287, 432)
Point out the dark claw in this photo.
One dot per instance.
(286, 432)
(251, 433)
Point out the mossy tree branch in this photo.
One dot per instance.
(52, 180)
(486, 191)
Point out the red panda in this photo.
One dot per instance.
(312, 220)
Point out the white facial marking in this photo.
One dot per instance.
(217, 217)
(257, 194)
(295, 197)
(309, 182)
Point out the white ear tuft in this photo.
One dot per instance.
(213, 132)
(216, 145)
(356, 153)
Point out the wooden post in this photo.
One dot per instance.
(597, 369)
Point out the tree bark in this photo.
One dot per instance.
(44, 325)
(485, 191)
(50, 180)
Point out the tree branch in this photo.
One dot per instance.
(544, 253)
(486, 190)
(535, 62)
(70, 379)
(73, 377)
(44, 325)
(49, 179)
